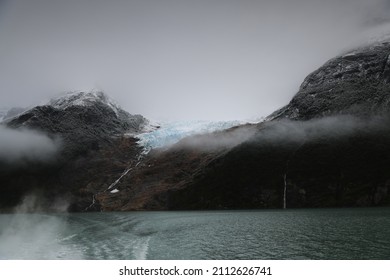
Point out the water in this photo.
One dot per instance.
(267, 234)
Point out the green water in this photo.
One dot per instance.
(269, 234)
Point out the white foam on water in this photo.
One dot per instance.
(68, 237)
(140, 250)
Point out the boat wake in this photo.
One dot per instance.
(140, 250)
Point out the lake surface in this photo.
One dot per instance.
(266, 234)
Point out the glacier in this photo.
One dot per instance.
(170, 133)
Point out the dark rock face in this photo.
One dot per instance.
(318, 171)
(356, 83)
(82, 120)
(92, 154)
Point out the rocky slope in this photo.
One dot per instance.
(327, 148)
(83, 120)
(355, 83)
(90, 128)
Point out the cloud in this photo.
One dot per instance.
(218, 140)
(26, 145)
(287, 131)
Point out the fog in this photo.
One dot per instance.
(212, 142)
(26, 146)
(39, 236)
(287, 131)
(178, 59)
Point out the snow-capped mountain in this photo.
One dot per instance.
(91, 108)
(83, 120)
(82, 98)
(296, 158)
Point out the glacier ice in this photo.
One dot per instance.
(171, 132)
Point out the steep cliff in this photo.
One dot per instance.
(355, 83)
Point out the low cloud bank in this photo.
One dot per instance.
(329, 127)
(26, 145)
(288, 131)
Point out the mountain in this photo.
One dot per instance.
(90, 128)
(83, 120)
(327, 148)
(355, 83)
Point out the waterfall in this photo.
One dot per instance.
(285, 191)
(92, 204)
(124, 173)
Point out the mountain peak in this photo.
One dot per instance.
(83, 98)
(356, 83)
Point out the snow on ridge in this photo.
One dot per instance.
(170, 133)
(83, 98)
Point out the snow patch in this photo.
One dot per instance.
(350, 54)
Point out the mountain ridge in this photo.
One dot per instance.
(327, 148)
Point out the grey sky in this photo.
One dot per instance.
(177, 59)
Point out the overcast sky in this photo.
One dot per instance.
(177, 59)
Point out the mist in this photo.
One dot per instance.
(175, 59)
(215, 141)
(287, 131)
(26, 146)
(36, 202)
(36, 236)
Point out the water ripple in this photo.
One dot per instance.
(276, 234)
